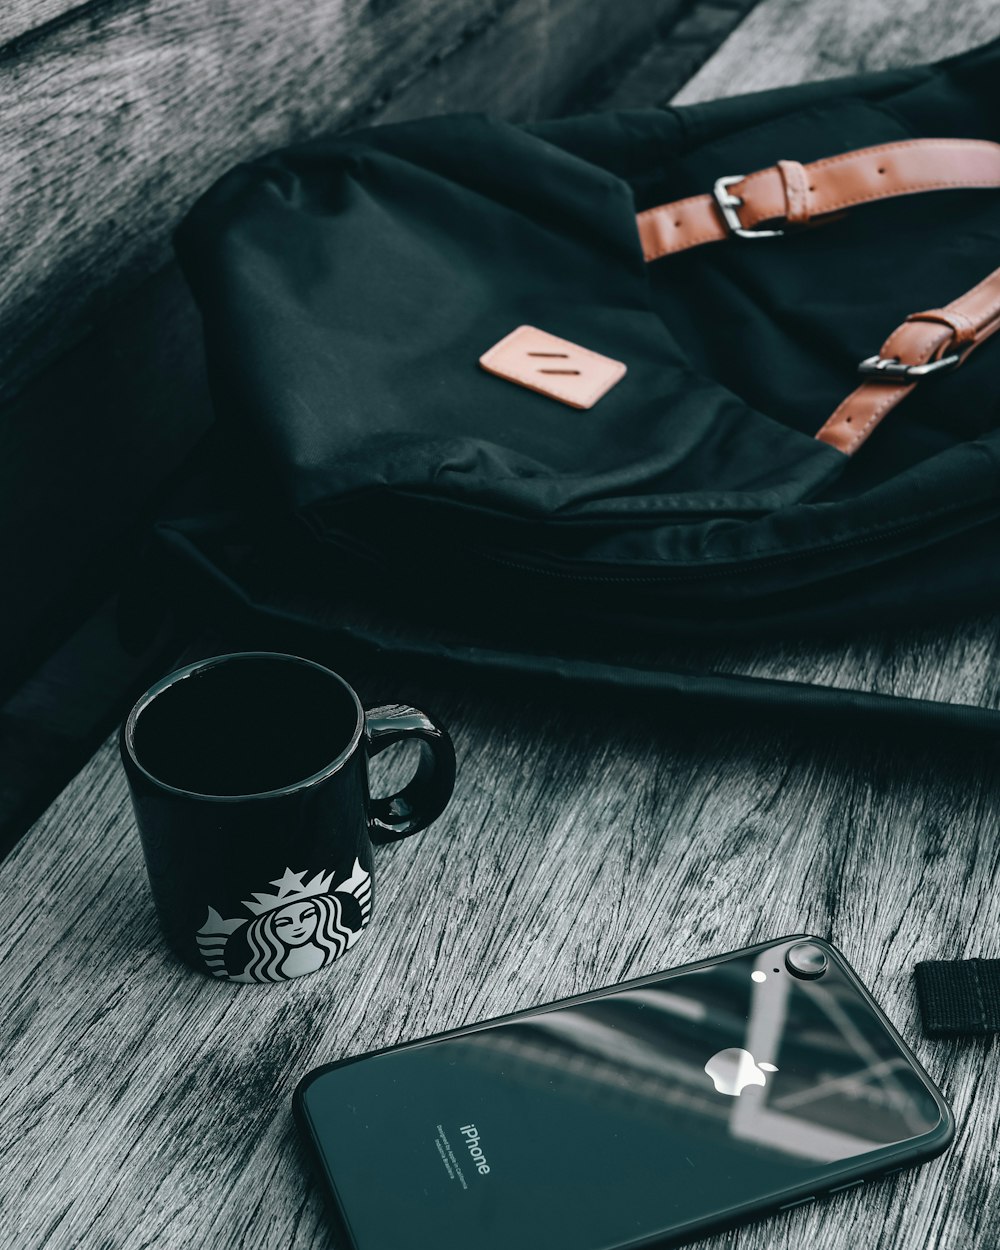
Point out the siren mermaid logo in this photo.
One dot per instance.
(303, 926)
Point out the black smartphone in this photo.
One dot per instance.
(641, 1115)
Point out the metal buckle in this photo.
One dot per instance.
(728, 206)
(893, 367)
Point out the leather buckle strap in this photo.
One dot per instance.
(729, 206)
(798, 195)
(893, 367)
(927, 343)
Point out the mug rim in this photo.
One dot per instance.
(127, 734)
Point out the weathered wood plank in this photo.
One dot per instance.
(144, 1105)
(20, 18)
(789, 41)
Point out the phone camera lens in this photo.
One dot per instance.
(806, 960)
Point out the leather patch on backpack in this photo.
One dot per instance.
(553, 366)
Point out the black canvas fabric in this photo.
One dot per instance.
(349, 285)
(959, 997)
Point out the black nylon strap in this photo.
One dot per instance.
(959, 997)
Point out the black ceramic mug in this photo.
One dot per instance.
(249, 780)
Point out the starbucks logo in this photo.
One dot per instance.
(303, 926)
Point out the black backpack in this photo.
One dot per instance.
(653, 468)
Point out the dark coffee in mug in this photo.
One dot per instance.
(249, 780)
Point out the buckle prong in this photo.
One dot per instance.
(889, 368)
(729, 206)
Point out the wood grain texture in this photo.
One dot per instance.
(147, 1106)
(789, 41)
(26, 18)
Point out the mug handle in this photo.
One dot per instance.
(424, 797)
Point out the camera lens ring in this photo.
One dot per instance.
(806, 960)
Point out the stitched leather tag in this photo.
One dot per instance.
(553, 366)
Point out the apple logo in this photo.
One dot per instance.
(734, 1069)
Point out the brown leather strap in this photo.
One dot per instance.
(924, 338)
(801, 194)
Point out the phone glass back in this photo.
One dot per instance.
(596, 1125)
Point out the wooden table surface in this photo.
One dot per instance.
(588, 841)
